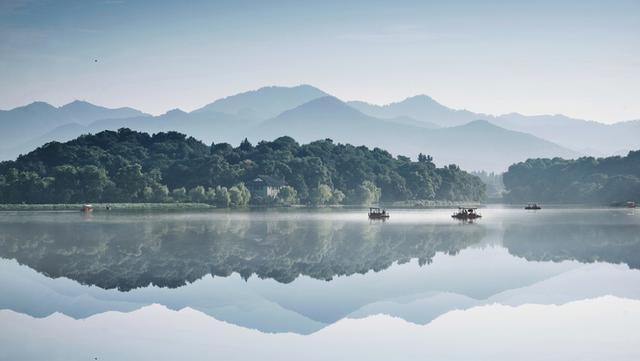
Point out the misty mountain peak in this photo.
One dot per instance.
(266, 102)
(422, 108)
(480, 123)
(175, 112)
(326, 101)
(77, 102)
(37, 106)
(420, 98)
(79, 105)
(420, 103)
(327, 105)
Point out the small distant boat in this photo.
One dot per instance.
(377, 213)
(532, 206)
(466, 213)
(625, 204)
(87, 208)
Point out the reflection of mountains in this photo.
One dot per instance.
(170, 252)
(612, 243)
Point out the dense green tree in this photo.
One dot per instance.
(425, 158)
(337, 196)
(246, 146)
(223, 199)
(459, 186)
(583, 180)
(197, 194)
(131, 181)
(287, 195)
(136, 167)
(239, 195)
(365, 194)
(147, 194)
(65, 183)
(160, 193)
(25, 187)
(321, 195)
(179, 194)
(92, 182)
(210, 195)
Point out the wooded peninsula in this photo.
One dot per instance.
(129, 166)
(583, 180)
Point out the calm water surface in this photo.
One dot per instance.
(307, 273)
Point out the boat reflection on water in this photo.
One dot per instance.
(302, 271)
(130, 251)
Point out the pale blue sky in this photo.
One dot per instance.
(579, 58)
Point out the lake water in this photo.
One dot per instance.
(558, 283)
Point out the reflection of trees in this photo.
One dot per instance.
(613, 243)
(169, 252)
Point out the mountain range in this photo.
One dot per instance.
(418, 124)
(583, 136)
(36, 119)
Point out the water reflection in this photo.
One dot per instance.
(586, 243)
(417, 266)
(127, 252)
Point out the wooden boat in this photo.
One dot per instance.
(87, 208)
(377, 213)
(631, 204)
(466, 213)
(532, 206)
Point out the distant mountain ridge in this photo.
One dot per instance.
(584, 136)
(416, 125)
(22, 124)
(475, 145)
(420, 107)
(265, 102)
(84, 112)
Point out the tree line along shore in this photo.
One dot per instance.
(126, 166)
(170, 170)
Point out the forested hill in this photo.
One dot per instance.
(583, 180)
(130, 166)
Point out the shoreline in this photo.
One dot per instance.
(110, 207)
(102, 207)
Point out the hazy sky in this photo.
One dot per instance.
(580, 58)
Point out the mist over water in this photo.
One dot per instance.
(311, 272)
